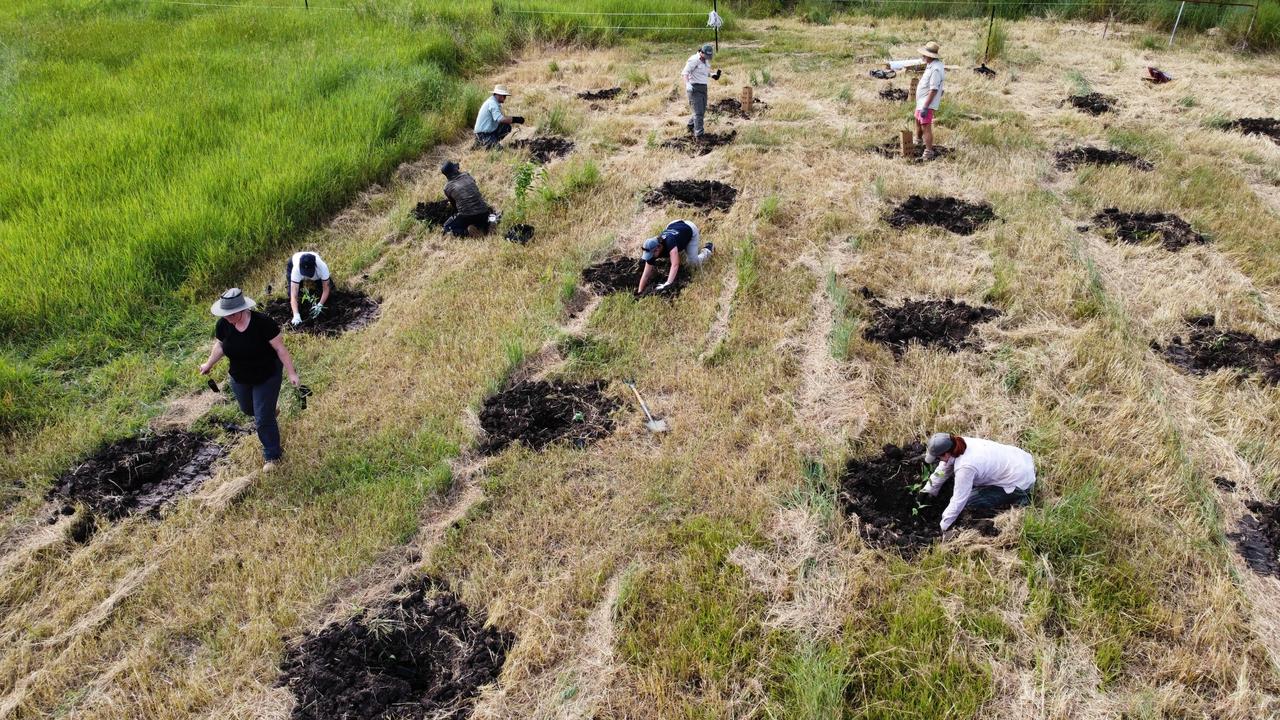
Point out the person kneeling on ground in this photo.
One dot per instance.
(470, 211)
(255, 347)
(301, 268)
(680, 236)
(491, 125)
(929, 96)
(696, 73)
(988, 475)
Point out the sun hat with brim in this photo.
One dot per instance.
(930, 50)
(501, 90)
(939, 444)
(232, 302)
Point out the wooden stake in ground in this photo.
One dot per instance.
(747, 100)
(908, 144)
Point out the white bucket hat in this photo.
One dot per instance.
(930, 50)
(500, 90)
(232, 302)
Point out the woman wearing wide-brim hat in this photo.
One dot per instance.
(253, 344)
(929, 95)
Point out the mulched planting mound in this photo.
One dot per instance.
(953, 214)
(1093, 103)
(520, 234)
(623, 275)
(423, 654)
(946, 324)
(893, 149)
(1137, 228)
(1258, 539)
(544, 148)
(139, 474)
(1207, 349)
(347, 310)
(733, 106)
(1270, 127)
(709, 194)
(538, 413)
(1087, 155)
(702, 145)
(433, 213)
(893, 94)
(606, 94)
(881, 492)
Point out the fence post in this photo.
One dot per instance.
(990, 26)
(1252, 19)
(1177, 20)
(715, 7)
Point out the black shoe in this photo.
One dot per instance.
(710, 248)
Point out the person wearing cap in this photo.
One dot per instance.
(306, 267)
(680, 236)
(253, 344)
(697, 71)
(929, 96)
(987, 475)
(491, 125)
(470, 211)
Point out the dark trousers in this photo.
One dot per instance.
(698, 105)
(989, 499)
(260, 402)
(490, 139)
(457, 224)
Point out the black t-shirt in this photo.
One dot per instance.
(253, 360)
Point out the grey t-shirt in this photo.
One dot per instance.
(465, 195)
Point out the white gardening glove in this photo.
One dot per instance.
(297, 319)
(661, 286)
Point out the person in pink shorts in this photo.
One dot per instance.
(929, 96)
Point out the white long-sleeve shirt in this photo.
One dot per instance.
(697, 71)
(983, 463)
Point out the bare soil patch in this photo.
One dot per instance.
(1088, 155)
(710, 194)
(1258, 538)
(701, 145)
(605, 94)
(1093, 103)
(138, 474)
(422, 654)
(538, 413)
(545, 148)
(893, 149)
(435, 212)
(1268, 127)
(1138, 228)
(954, 214)
(881, 491)
(1207, 349)
(893, 94)
(623, 275)
(347, 310)
(946, 324)
(519, 234)
(733, 107)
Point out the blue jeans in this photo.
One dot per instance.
(491, 139)
(260, 402)
(991, 498)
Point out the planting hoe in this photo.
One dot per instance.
(655, 426)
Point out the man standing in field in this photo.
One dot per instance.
(697, 71)
(491, 124)
(680, 236)
(470, 211)
(988, 475)
(929, 96)
(301, 268)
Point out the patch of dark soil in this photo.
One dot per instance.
(1269, 127)
(520, 234)
(893, 149)
(422, 654)
(953, 214)
(893, 94)
(347, 310)
(984, 70)
(1225, 484)
(1258, 538)
(606, 94)
(544, 148)
(538, 413)
(139, 474)
(703, 145)
(709, 194)
(623, 275)
(882, 492)
(946, 324)
(1088, 155)
(1137, 228)
(435, 212)
(1093, 103)
(1207, 349)
(733, 107)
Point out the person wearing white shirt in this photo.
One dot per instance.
(491, 124)
(304, 267)
(987, 475)
(697, 71)
(929, 96)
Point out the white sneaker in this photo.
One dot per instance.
(269, 466)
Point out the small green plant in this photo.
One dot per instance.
(553, 67)
(992, 47)
(1151, 42)
(916, 491)
(636, 77)
(761, 76)
(557, 122)
(1080, 85)
(845, 95)
(748, 268)
(769, 210)
(816, 13)
(1187, 101)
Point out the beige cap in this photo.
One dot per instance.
(930, 50)
(500, 90)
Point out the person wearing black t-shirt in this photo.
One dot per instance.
(252, 343)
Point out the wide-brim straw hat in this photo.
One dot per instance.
(232, 302)
(930, 50)
(501, 90)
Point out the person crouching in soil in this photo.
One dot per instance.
(306, 267)
(680, 236)
(253, 344)
(929, 96)
(987, 475)
(492, 125)
(470, 211)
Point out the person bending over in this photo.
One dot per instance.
(491, 124)
(306, 267)
(470, 211)
(987, 475)
(680, 236)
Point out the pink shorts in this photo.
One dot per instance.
(925, 118)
